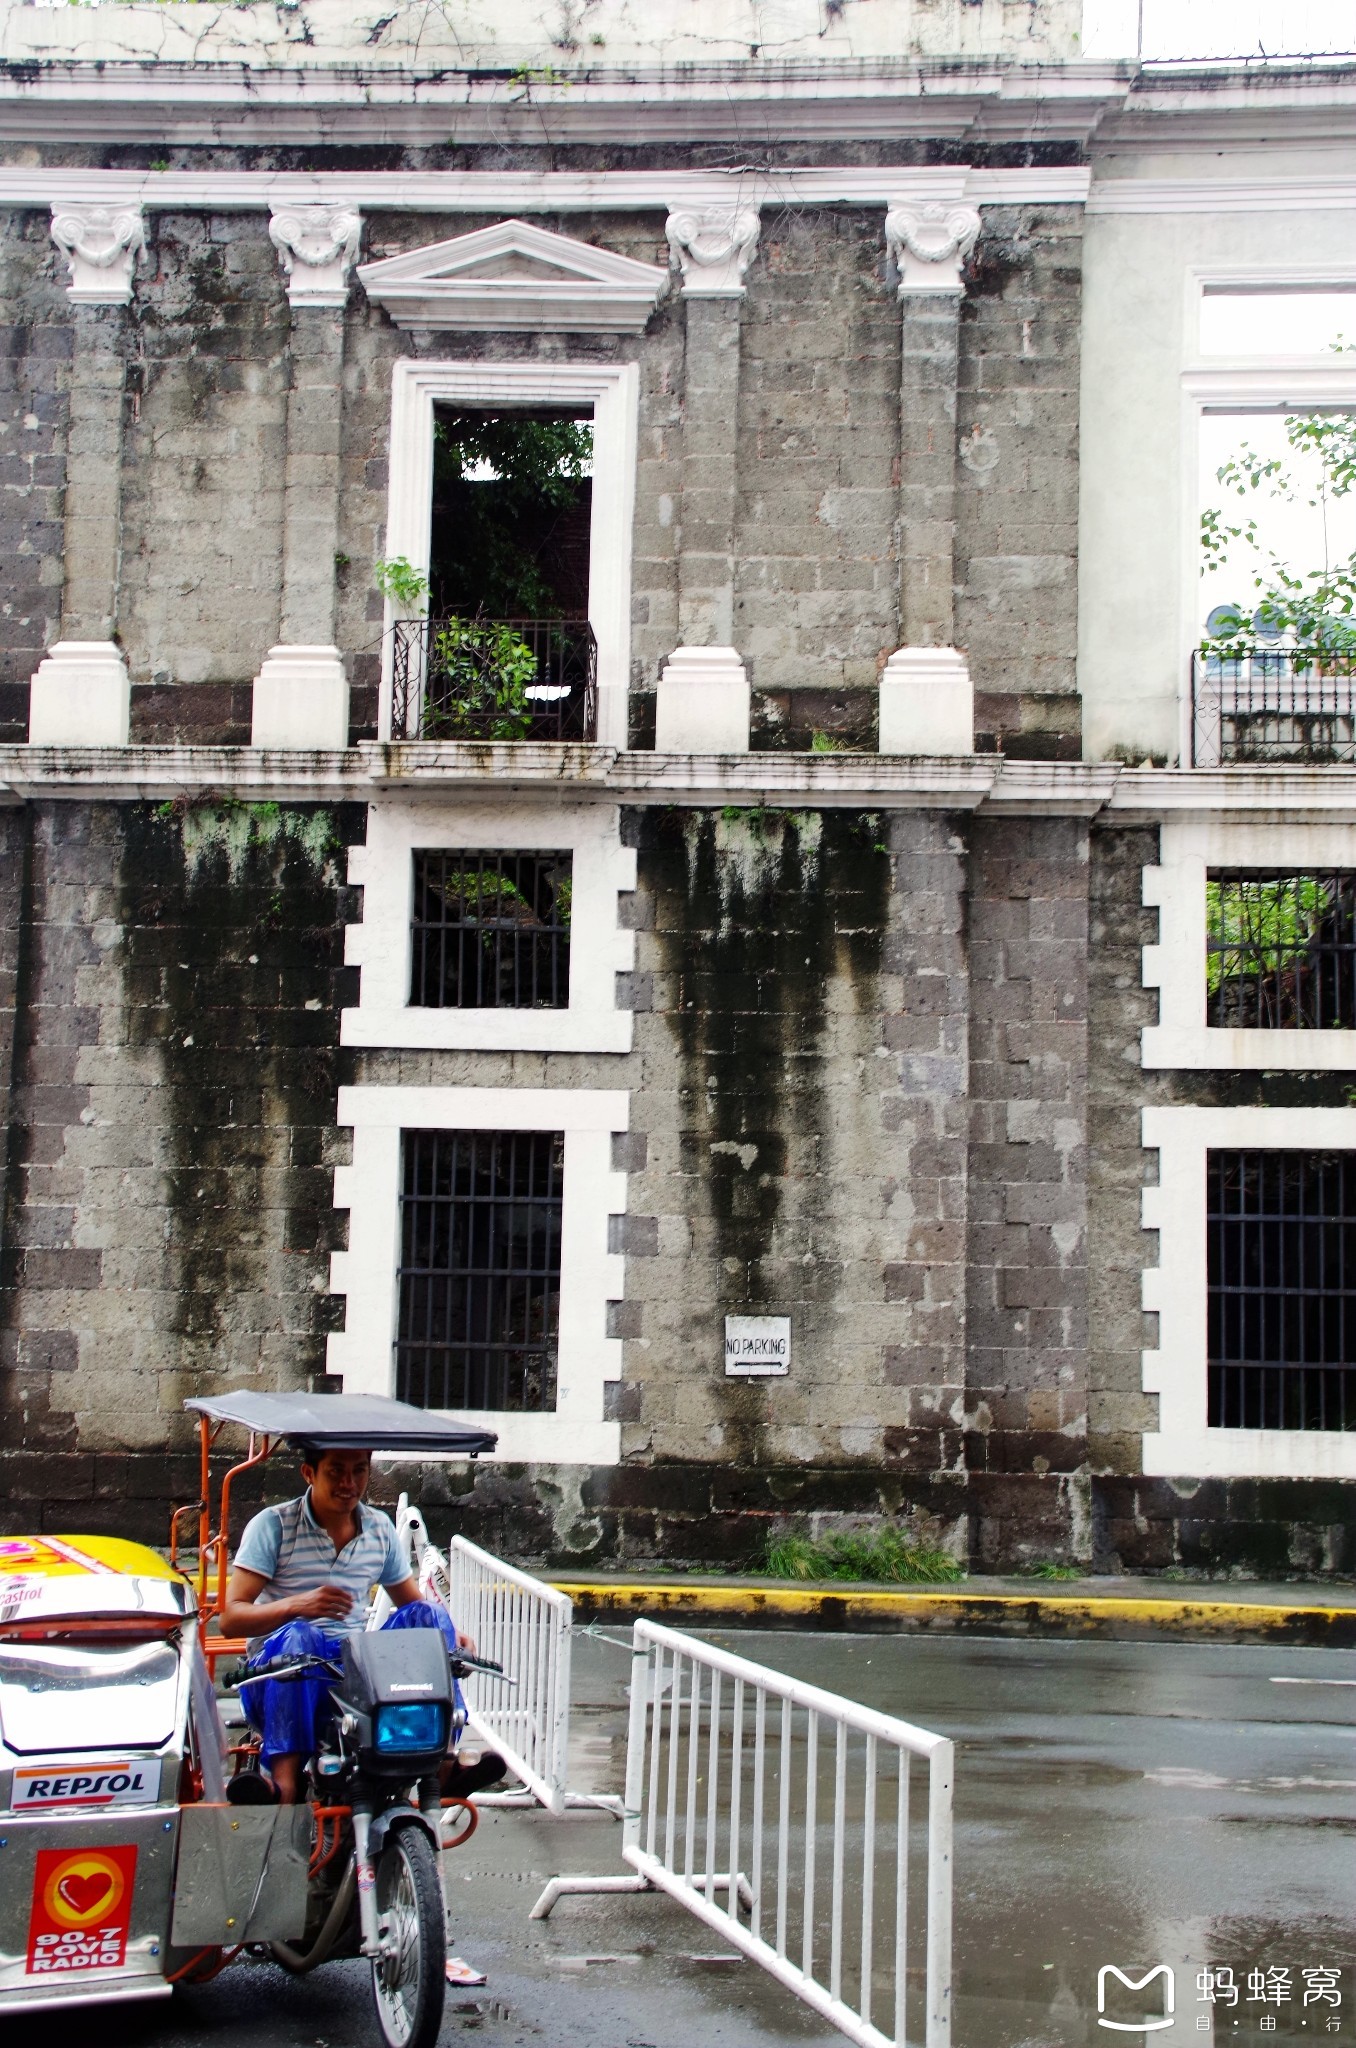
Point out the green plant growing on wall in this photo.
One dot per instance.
(1313, 608)
(883, 1554)
(479, 673)
(400, 583)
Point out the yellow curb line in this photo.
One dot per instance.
(1205, 1616)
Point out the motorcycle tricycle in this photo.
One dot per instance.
(125, 1867)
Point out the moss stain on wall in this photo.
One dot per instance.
(764, 909)
(234, 922)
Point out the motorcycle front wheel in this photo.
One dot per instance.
(409, 1980)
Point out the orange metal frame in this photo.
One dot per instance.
(214, 1546)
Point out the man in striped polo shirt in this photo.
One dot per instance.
(304, 1573)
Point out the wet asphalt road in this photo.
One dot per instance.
(1130, 1804)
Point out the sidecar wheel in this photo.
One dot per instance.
(409, 1982)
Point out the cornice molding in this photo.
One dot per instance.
(713, 247)
(519, 192)
(318, 246)
(515, 275)
(605, 774)
(101, 245)
(228, 103)
(1223, 195)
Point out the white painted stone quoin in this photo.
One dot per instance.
(575, 1431)
(383, 867)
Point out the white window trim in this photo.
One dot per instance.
(1189, 848)
(1175, 1289)
(1201, 277)
(575, 1432)
(1219, 383)
(381, 944)
(613, 391)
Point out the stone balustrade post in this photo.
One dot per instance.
(927, 700)
(80, 694)
(712, 246)
(301, 694)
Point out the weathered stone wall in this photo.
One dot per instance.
(816, 450)
(861, 1095)
(36, 343)
(1026, 1398)
(203, 469)
(816, 598)
(169, 1215)
(1268, 1526)
(1017, 495)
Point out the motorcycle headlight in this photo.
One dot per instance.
(413, 1725)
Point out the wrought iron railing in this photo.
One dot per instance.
(1273, 705)
(494, 679)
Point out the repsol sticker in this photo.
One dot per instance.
(115, 1784)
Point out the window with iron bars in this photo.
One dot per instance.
(479, 1274)
(1281, 1277)
(1280, 950)
(491, 931)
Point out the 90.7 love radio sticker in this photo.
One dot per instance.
(82, 1908)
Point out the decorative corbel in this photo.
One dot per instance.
(928, 241)
(101, 245)
(318, 245)
(713, 246)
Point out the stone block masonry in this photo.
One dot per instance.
(884, 1081)
(1017, 479)
(36, 347)
(168, 1219)
(204, 469)
(1026, 1385)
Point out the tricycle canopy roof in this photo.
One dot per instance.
(347, 1422)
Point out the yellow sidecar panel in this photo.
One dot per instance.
(42, 1576)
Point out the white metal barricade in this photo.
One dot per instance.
(780, 1815)
(523, 1624)
(517, 1621)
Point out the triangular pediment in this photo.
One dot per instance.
(515, 275)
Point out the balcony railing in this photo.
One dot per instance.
(1270, 705)
(494, 679)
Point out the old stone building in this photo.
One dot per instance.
(812, 934)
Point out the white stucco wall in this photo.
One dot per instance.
(1138, 548)
(518, 32)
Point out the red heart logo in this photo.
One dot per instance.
(84, 1894)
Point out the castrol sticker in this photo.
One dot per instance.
(82, 1908)
(113, 1784)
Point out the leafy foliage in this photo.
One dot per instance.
(1261, 926)
(401, 583)
(483, 893)
(491, 532)
(479, 673)
(1314, 608)
(874, 1554)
